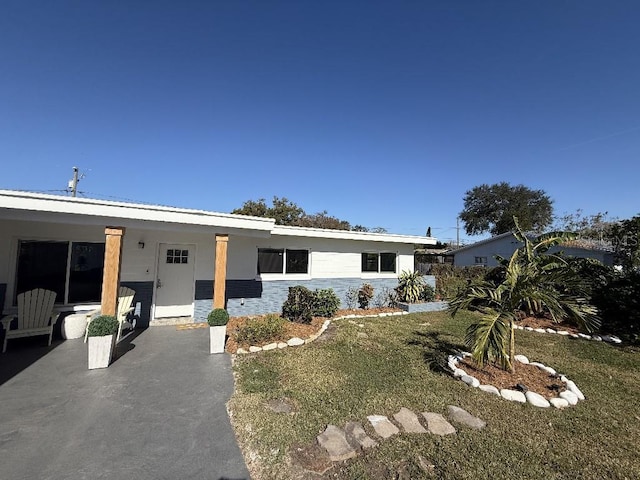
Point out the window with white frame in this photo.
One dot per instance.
(374, 262)
(481, 261)
(283, 261)
(73, 270)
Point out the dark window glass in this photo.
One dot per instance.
(297, 261)
(388, 262)
(85, 272)
(369, 262)
(270, 260)
(42, 265)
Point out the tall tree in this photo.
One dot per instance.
(625, 238)
(491, 208)
(284, 211)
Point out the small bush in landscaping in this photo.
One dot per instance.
(451, 280)
(261, 330)
(619, 305)
(410, 285)
(386, 298)
(365, 294)
(218, 317)
(102, 325)
(351, 298)
(428, 293)
(299, 304)
(326, 303)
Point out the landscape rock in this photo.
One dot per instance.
(549, 370)
(540, 330)
(312, 458)
(437, 424)
(528, 329)
(559, 402)
(563, 332)
(597, 338)
(357, 437)
(574, 335)
(383, 426)
(458, 372)
(513, 395)
(254, 349)
(537, 400)
(522, 359)
(334, 441)
(459, 415)
(409, 421)
(572, 387)
(585, 336)
(550, 330)
(570, 397)
(270, 346)
(537, 364)
(282, 345)
(471, 381)
(489, 389)
(241, 351)
(295, 342)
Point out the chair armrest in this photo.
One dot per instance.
(6, 321)
(54, 318)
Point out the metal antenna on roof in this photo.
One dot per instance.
(73, 183)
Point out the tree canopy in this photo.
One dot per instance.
(285, 212)
(491, 208)
(625, 238)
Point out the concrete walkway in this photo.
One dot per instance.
(158, 412)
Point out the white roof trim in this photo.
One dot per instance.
(38, 202)
(350, 235)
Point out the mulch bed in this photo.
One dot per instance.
(543, 322)
(292, 329)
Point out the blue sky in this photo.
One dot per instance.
(382, 113)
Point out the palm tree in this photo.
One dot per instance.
(533, 281)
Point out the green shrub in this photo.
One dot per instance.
(619, 304)
(299, 304)
(261, 330)
(351, 298)
(365, 294)
(451, 280)
(102, 325)
(326, 303)
(428, 293)
(218, 317)
(410, 285)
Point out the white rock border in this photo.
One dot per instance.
(569, 397)
(564, 333)
(295, 341)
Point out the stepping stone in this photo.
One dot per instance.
(334, 441)
(513, 395)
(437, 424)
(409, 421)
(559, 402)
(383, 426)
(537, 400)
(357, 437)
(280, 405)
(570, 397)
(489, 389)
(295, 342)
(459, 415)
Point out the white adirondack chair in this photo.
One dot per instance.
(125, 299)
(35, 316)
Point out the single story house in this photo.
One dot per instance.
(180, 262)
(483, 253)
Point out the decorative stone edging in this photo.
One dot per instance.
(296, 341)
(597, 338)
(569, 397)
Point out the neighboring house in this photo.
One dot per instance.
(483, 253)
(180, 262)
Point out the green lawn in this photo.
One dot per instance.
(349, 377)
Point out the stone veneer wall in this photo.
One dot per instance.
(267, 297)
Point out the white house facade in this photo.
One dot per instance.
(180, 262)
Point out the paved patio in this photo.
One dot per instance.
(158, 412)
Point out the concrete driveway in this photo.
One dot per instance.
(158, 412)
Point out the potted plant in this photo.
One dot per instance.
(101, 332)
(217, 321)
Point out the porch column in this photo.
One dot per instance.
(220, 272)
(111, 275)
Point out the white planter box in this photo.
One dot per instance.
(100, 351)
(73, 326)
(217, 336)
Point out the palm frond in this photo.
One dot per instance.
(488, 339)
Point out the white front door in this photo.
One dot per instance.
(175, 282)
